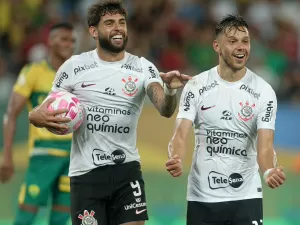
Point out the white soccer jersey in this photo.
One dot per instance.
(226, 117)
(113, 94)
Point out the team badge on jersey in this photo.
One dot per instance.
(246, 112)
(130, 88)
(88, 218)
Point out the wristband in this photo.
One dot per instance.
(267, 173)
(168, 91)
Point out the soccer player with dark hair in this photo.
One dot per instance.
(107, 186)
(49, 154)
(233, 113)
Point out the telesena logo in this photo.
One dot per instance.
(187, 100)
(101, 157)
(208, 87)
(85, 67)
(61, 77)
(269, 112)
(218, 180)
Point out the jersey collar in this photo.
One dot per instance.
(244, 80)
(102, 62)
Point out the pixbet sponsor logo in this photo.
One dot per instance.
(187, 99)
(208, 87)
(99, 156)
(85, 67)
(269, 112)
(62, 76)
(130, 67)
(250, 91)
(218, 180)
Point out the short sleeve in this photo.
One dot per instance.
(25, 82)
(151, 73)
(187, 104)
(64, 77)
(267, 110)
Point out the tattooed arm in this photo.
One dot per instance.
(165, 104)
(163, 98)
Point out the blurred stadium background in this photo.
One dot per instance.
(174, 34)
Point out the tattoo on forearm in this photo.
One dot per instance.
(165, 104)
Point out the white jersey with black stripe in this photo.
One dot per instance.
(226, 117)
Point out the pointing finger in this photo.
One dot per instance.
(186, 77)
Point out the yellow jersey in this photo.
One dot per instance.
(34, 83)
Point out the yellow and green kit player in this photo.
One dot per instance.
(47, 173)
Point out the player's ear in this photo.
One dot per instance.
(51, 38)
(216, 46)
(93, 31)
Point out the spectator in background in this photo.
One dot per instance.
(199, 51)
(168, 32)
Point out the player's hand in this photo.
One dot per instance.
(174, 79)
(42, 117)
(276, 177)
(6, 170)
(174, 166)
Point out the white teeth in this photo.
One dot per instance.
(239, 55)
(117, 37)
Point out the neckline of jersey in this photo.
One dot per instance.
(97, 58)
(227, 83)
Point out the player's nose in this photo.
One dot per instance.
(118, 27)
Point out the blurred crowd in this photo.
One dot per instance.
(174, 34)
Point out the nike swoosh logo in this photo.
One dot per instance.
(205, 108)
(86, 85)
(139, 212)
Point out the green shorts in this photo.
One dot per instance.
(46, 176)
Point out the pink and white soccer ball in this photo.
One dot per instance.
(66, 100)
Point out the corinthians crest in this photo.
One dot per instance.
(130, 88)
(246, 112)
(88, 218)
